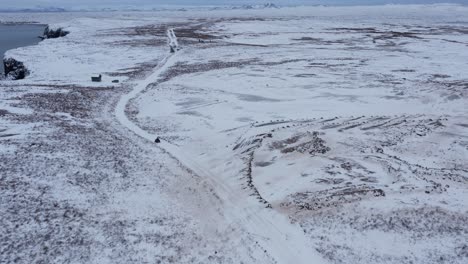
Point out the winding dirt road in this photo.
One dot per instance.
(283, 241)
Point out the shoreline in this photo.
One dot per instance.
(17, 36)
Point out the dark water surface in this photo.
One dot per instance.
(18, 35)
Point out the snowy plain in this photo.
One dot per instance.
(293, 135)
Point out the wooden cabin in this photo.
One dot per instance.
(96, 78)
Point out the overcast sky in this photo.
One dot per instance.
(117, 3)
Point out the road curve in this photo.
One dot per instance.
(283, 241)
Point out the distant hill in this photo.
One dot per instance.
(136, 8)
(264, 6)
(33, 10)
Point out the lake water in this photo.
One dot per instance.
(18, 35)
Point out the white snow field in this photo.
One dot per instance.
(291, 135)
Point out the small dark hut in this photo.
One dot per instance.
(96, 78)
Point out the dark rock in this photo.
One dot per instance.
(157, 140)
(54, 33)
(14, 70)
(115, 81)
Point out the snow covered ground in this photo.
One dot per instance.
(295, 135)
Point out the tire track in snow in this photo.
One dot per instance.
(282, 240)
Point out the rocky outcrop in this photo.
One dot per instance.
(14, 70)
(54, 33)
(270, 5)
